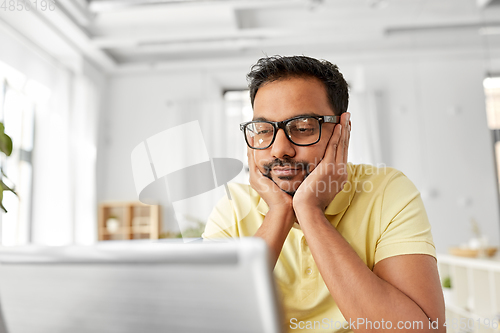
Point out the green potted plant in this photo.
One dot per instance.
(6, 148)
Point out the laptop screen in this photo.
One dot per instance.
(145, 287)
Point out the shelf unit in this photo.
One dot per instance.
(473, 301)
(134, 220)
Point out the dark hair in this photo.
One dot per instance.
(275, 68)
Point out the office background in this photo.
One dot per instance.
(98, 77)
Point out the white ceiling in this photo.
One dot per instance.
(120, 33)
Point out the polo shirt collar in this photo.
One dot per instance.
(340, 203)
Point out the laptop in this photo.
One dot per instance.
(132, 287)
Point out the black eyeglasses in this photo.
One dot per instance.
(301, 131)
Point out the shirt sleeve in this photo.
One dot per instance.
(405, 228)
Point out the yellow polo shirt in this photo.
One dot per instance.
(379, 212)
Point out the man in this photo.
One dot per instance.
(350, 242)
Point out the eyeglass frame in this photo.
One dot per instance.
(282, 124)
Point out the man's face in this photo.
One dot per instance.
(285, 163)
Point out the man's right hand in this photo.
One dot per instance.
(280, 217)
(274, 196)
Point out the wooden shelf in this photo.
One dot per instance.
(135, 221)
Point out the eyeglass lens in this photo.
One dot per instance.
(302, 131)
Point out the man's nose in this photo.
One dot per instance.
(282, 146)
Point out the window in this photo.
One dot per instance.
(18, 101)
(492, 92)
(238, 109)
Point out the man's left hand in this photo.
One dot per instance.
(330, 175)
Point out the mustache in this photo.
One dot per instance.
(285, 163)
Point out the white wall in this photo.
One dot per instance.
(432, 124)
(435, 131)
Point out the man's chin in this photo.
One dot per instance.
(289, 186)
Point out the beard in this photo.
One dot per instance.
(303, 165)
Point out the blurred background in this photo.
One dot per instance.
(83, 82)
